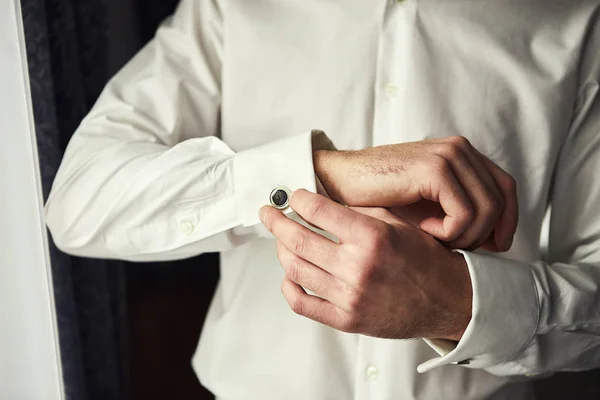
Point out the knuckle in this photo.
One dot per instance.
(439, 166)
(451, 150)
(377, 242)
(491, 206)
(296, 304)
(314, 208)
(293, 269)
(354, 299)
(377, 235)
(466, 213)
(350, 324)
(460, 142)
(268, 220)
(300, 244)
(450, 235)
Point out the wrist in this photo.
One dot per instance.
(326, 163)
(452, 309)
(462, 299)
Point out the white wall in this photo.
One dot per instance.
(29, 361)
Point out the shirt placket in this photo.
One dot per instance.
(367, 371)
(390, 97)
(392, 100)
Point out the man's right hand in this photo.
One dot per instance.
(444, 186)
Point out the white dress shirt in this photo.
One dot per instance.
(187, 142)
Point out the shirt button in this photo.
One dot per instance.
(280, 197)
(372, 373)
(187, 227)
(391, 90)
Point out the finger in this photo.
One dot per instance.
(315, 308)
(486, 202)
(490, 244)
(489, 184)
(493, 176)
(473, 157)
(332, 217)
(300, 240)
(457, 207)
(309, 276)
(509, 218)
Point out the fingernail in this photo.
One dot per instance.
(261, 213)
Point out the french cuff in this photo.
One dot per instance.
(504, 316)
(268, 174)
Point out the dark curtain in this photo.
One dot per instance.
(67, 52)
(73, 47)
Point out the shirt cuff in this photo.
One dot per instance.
(286, 163)
(504, 316)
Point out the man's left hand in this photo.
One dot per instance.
(385, 277)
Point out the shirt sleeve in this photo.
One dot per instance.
(542, 317)
(145, 176)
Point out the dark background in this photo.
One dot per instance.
(167, 303)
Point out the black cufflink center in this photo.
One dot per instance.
(279, 198)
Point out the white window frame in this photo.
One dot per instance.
(30, 366)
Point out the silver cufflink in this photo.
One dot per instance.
(463, 362)
(280, 197)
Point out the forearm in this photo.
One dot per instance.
(136, 200)
(143, 201)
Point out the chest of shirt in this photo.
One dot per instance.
(503, 74)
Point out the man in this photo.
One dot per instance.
(447, 106)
